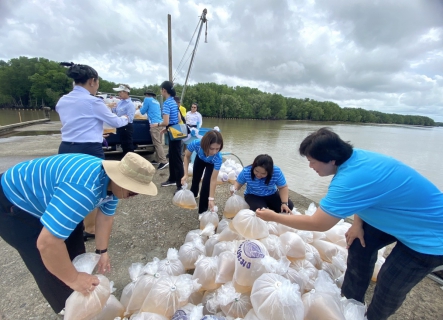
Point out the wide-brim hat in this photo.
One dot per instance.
(122, 87)
(133, 173)
(150, 92)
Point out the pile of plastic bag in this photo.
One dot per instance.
(229, 171)
(245, 268)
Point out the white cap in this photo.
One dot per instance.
(122, 87)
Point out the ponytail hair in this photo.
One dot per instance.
(79, 72)
(169, 87)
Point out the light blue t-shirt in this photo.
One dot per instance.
(152, 107)
(390, 196)
(216, 159)
(170, 108)
(125, 107)
(258, 187)
(59, 190)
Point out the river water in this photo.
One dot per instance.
(420, 148)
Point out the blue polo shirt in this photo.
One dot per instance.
(60, 190)
(125, 107)
(258, 187)
(152, 107)
(170, 108)
(390, 196)
(216, 159)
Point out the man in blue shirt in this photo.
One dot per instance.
(44, 201)
(152, 108)
(391, 202)
(125, 107)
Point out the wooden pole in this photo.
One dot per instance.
(169, 47)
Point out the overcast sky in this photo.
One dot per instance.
(379, 55)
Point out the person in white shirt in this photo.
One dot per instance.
(194, 118)
(82, 114)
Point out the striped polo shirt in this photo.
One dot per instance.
(170, 108)
(59, 190)
(258, 186)
(216, 159)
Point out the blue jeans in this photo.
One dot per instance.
(403, 269)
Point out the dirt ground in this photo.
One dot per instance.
(145, 227)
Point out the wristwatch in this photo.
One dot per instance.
(284, 203)
(98, 251)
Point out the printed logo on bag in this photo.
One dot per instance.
(180, 315)
(250, 250)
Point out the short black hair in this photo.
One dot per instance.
(325, 145)
(265, 161)
(80, 72)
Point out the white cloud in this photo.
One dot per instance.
(385, 56)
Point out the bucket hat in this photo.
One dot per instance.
(133, 173)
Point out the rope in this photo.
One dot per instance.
(181, 64)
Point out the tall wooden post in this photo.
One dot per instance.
(169, 47)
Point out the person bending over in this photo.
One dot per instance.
(209, 160)
(391, 202)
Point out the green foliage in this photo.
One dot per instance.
(32, 82)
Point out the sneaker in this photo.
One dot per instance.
(168, 183)
(161, 166)
(153, 162)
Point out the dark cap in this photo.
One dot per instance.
(177, 99)
(150, 92)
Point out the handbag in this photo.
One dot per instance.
(178, 131)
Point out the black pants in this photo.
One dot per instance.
(403, 269)
(176, 170)
(126, 140)
(92, 148)
(272, 202)
(199, 167)
(21, 230)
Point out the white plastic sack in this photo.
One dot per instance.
(249, 225)
(223, 246)
(293, 245)
(251, 315)
(274, 297)
(210, 243)
(328, 250)
(234, 204)
(353, 309)
(171, 265)
(248, 266)
(201, 234)
(378, 264)
(205, 272)
(306, 270)
(225, 267)
(184, 198)
(311, 210)
(189, 253)
(169, 294)
(112, 309)
(135, 271)
(209, 217)
(232, 303)
(273, 244)
(229, 234)
(150, 275)
(337, 233)
(223, 224)
(313, 256)
(79, 306)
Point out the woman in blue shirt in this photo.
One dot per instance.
(171, 115)
(265, 185)
(208, 159)
(390, 202)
